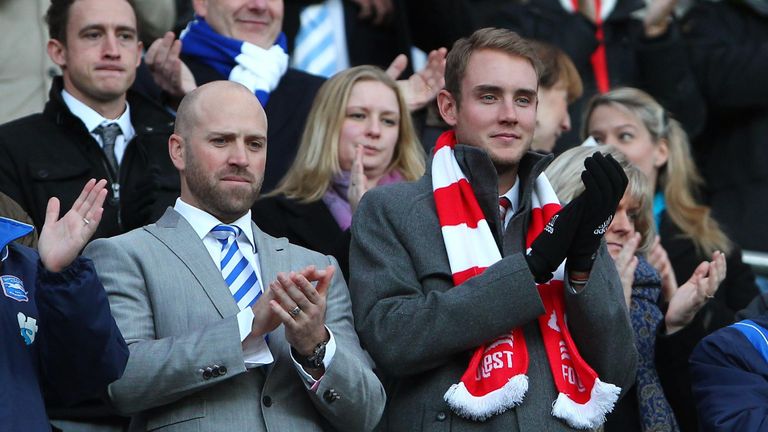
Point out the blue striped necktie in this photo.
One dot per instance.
(236, 270)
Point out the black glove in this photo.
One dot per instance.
(551, 246)
(604, 184)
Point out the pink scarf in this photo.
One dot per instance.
(495, 379)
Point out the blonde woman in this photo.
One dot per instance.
(633, 122)
(359, 135)
(658, 329)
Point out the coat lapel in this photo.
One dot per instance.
(273, 255)
(175, 232)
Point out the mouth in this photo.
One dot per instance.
(235, 179)
(506, 136)
(253, 22)
(110, 69)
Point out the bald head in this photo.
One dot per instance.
(219, 147)
(211, 95)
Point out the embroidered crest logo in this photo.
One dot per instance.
(28, 326)
(13, 287)
(550, 228)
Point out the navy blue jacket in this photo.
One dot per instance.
(730, 381)
(59, 340)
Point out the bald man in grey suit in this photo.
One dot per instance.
(287, 360)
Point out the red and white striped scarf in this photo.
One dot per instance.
(495, 379)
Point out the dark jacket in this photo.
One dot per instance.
(76, 350)
(658, 65)
(728, 47)
(304, 224)
(287, 111)
(730, 379)
(737, 290)
(51, 154)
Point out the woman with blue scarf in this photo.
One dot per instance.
(359, 135)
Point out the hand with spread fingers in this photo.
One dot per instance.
(604, 184)
(659, 259)
(301, 306)
(423, 86)
(691, 296)
(61, 240)
(168, 71)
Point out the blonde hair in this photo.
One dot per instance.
(317, 160)
(557, 67)
(678, 178)
(564, 174)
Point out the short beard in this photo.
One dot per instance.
(226, 207)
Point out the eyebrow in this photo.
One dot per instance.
(102, 27)
(490, 88)
(360, 107)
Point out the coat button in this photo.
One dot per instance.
(331, 396)
(267, 401)
(42, 173)
(223, 370)
(216, 372)
(206, 373)
(441, 416)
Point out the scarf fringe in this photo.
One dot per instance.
(591, 414)
(481, 408)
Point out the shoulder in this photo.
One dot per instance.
(148, 115)
(23, 125)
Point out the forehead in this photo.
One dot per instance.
(495, 68)
(230, 111)
(373, 93)
(611, 116)
(110, 13)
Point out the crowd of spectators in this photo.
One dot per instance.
(91, 89)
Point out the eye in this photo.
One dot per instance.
(599, 138)
(626, 136)
(356, 116)
(389, 121)
(218, 141)
(488, 98)
(126, 36)
(91, 35)
(256, 145)
(523, 100)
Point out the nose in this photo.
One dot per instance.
(110, 46)
(257, 5)
(621, 224)
(373, 127)
(566, 123)
(238, 154)
(507, 112)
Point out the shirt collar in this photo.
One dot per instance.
(203, 222)
(93, 119)
(513, 195)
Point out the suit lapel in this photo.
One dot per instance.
(175, 232)
(273, 255)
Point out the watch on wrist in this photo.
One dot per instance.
(314, 360)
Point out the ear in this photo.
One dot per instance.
(176, 151)
(447, 106)
(661, 154)
(57, 51)
(200, 7)
(139, 49)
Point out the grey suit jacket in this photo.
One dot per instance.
(422, 330)
(179, 318)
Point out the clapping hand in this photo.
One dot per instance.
(358, 182)
(423, 86)
(604, 184)
(168, 71)
(626, 263)
(691, 296)
(62, 239)
(659, 259)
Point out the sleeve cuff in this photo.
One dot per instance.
(330, 351)
(255, 349)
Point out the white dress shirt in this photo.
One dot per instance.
(513, 195)
(93, 119)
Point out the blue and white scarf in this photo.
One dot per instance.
(242, 62)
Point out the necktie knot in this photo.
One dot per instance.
(108, 134)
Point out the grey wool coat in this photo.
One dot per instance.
(421, 330)
(178, 317)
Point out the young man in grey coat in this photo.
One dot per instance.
(421, 328)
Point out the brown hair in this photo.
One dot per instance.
(557, 67)
(485, 38)
(57, 18)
